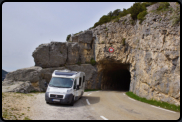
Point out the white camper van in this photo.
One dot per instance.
(65, 87)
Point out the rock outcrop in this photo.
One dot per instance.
(53, 54)
(33, 78)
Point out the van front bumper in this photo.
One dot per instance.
(67, 99)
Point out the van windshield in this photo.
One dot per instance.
(61, 82)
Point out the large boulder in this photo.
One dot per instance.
(58, 54)
(26, 74)
(17, 86)
(24, 87)
(41, 55)
(53, 54)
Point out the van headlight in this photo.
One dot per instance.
(69, 91)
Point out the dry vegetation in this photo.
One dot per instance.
(17, 106)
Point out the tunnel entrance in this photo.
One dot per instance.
(115, 76)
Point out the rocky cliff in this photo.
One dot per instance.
(146, 57)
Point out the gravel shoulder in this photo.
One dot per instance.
(33, 106)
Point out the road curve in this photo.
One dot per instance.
(115, 105)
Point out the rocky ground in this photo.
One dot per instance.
(16, 106)
(20, 106)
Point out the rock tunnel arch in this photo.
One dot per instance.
(114, 76)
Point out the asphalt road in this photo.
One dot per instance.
(99, 105)
(116, 105)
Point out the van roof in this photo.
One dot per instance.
(66, 73)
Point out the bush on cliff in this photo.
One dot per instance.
(163, 6)
(92, 61)
(134, 10)
(141, 16)
(68, 37)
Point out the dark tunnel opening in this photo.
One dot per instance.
(116, 76)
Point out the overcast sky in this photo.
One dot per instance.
(26, 25)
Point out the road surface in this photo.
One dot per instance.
(100, 105)
(116, 105)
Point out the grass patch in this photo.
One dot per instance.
(123, 41)
(154, 102)
(79, 63)
(163, 6)
(36, 92)
(124, 22)
(86, 90)
(93, 62)
(26, 118)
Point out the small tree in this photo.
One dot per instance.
(68, 37)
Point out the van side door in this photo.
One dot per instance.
(80, 85)
(74, 87)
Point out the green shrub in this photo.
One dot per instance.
(163, 6)
(132, 22)
(107, 35)
(133, 10)
(68, 37)
(146, 4)
(141, 16)
(92, 61)
(154, 102)
(79, 63)
(136, 9)
(176, 20)
(106, 29)
(26, 118)
(175, 16)
(116, 20)
(124, 21)
(123, 41)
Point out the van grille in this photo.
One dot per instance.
(56, 96)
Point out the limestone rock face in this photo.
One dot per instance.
(53, 54)
(73, 53)
(152, 49)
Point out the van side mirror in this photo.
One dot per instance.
(77, 87)
(45, 84)
(74, 87)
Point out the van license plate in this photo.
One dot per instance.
(56, 100)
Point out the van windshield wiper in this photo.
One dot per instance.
(65, 87)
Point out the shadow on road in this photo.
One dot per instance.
(79, 103)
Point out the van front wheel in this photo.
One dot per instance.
(72, 101)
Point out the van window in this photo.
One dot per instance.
(75, 84)
(83, 78)
(80, 81)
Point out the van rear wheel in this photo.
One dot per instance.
(72, 101)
